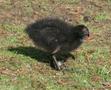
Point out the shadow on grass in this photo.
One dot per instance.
(39, 55)
(32, 52)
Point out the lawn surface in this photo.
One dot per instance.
(23, 67)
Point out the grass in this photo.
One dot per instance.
(102, 16)
(24, 67)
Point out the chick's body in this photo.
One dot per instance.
(54, 36)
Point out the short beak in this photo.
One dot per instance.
(87, 37)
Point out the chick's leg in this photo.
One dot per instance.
(56, 63)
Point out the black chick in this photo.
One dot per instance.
(57, 37)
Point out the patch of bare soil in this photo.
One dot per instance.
(107, 37)
(3, 33)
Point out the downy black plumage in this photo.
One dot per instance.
(56, 37)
